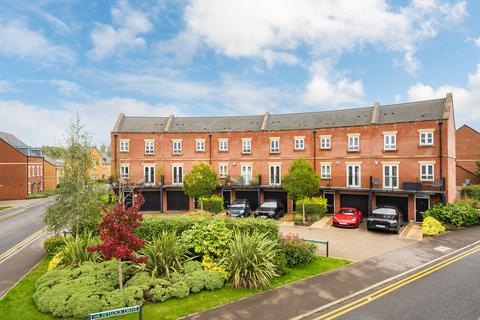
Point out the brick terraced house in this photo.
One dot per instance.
(467, 154)
(21, 168)
(402, 154)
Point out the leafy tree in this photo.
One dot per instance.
(77, 204)
(54, 152)
(478, 166)
(301, 182)
(200, 182)
(116, 231)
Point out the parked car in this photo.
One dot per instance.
(385, 218)
(271, 208)
(347, 217)
(239, 208)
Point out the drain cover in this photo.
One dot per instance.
(441, 248)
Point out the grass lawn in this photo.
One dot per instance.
(4, 207)
(18, 303)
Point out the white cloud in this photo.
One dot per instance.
(18, 40)
(329, 87)
(127, 25)
(466, 99)
(5, 86)
(65, 86)
(250, 28)
(182, 47)
(477, 42)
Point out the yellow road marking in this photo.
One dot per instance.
(21, 244)
(394, 286)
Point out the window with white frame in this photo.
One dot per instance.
(223, 145)
(390, 176)
(149, 147)
(274, 145)
(246, 145)
(275, 174)
(246, 173)
(223, 170)
(124, 145)
(426, 171)
(299, 143)
(177, 174)
(149, 174)
(325, 142)
(200, 145)
(390, 141)
(177, 146)
(353, 175)
(124, 171)
(325, 171)
(354, 143)
(426, 138)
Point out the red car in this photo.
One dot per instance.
(347, 217)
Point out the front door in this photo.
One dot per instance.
(421, 205)
(330, 202)
(226, 198)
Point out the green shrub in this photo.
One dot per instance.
(75, 250)
(281, 262)
(432, 227)
(108, 198)
(208, 238)
(213, 204)
(315, 207)
(251, 261)
(213, 280)
(297, 252)
(53, 245)
(192, 266)
(471, 191)
(200, 213)
(38, 195)
(269, 227)
(471, 202)
(179, 290)
(458, 215)
(160, 294)
(164, 254)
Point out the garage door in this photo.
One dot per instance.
(251, 196)
(400, 202)
(355, 201)
(152, 201)
(177, 201)
(279, 195)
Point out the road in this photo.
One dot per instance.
(449, 292)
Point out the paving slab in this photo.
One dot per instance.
(324, 223)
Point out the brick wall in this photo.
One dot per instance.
(468, 151)
(13, 173)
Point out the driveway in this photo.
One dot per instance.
(351, 244)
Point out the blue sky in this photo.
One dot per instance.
(219, 57)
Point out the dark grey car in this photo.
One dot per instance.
(385, 218)
(239, 208)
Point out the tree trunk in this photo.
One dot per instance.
(120, 274)
(201, 204)
(303, 210)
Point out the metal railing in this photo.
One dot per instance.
(324, 242)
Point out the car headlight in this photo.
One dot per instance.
(353, 219)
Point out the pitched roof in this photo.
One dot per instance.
(20, 145)
(55, 162)
(395, 113)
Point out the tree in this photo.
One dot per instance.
(478, 166)
(54, 152)
(301, 182)
(76, 205)
(116, 231)
(200, 182)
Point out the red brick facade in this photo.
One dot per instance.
(468, 152)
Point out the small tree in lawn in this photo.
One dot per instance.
(116, 232)
(301, 182)
(200, 182)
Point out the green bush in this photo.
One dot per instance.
(251, 261)
(38, 195)
(75, 250)
(315, 207)
(471, 191)
(208, 238)
(164, 254)
(458, 215)
(471, 202)
(53, 245)
(179, 290)
(432, 227)
(192, 266)
(281, 262)
(213, 204)
(297, 252)
(108, 198)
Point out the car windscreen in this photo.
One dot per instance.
(347, 211)
(269, 205)
(237, 206)
(384, 213)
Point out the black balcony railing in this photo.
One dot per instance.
(229, 181)
(434, 185)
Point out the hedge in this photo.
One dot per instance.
(153, 226)
(213, 204)
(459, 215)
(53, 245)
(316, 207)
(472, 191)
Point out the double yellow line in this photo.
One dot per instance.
(10, 252)
(394, 286)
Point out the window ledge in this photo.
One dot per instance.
(326, 149)
(426, 145)
(177, 154)
(389, 150)
(353, 151)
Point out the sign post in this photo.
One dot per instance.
(117, 312)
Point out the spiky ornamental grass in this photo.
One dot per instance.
(251, 261)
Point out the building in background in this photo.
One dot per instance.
(21, 168)
(468, 152)
(402, 155)
(53, 171)
(101, 165)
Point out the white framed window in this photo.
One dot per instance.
(354, 143)
(149, 146)
(325, 171)
(223, 145)
(149, 174)
(177, 146)
(353, 175)
(390, 141)
(177, 174)
(274, 145)
(325, 142)
(274, 174)
(246, 145)
(299, 143)
(124, 145)
(246, 173)
(124, 171)
(200, 145)
(390, 176)
(426, 138)
(223, 170)
(426, 171)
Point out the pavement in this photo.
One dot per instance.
(303, 298)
